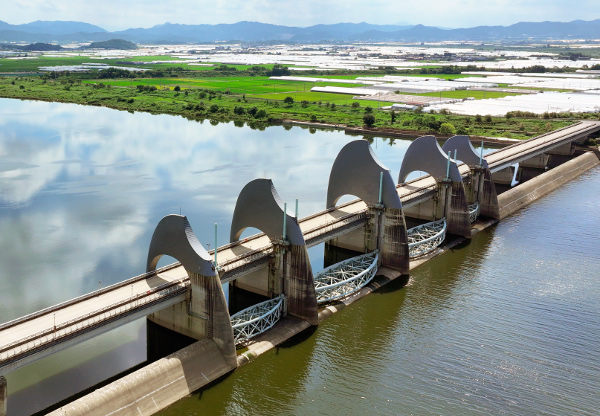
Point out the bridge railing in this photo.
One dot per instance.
(65, 330)
(426, 237)
(333, 225)
(344, 278)
(256, 319)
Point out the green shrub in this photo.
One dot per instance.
(447, 128)
(369, 119)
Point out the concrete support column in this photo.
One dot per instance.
(452, 194)
(3, 396)
(298, 284)
(480, 188)
(387, 233)
(203, 315)
(276, 270)
(209, 306)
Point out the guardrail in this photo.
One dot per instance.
(65, 330)
(78, 299)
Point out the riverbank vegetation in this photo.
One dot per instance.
(246, 94)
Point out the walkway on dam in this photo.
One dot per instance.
(31, 337)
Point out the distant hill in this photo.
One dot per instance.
(113, 44)
(42, 47)
(63, 32)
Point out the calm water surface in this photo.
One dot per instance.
(507, 324)
(82, 188)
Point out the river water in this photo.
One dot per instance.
(507, 324)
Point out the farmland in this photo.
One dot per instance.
(246, 94)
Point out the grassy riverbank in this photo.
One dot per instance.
(259, 101)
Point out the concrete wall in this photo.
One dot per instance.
(155, 386)
(523, 194)
(3, 395)
(255, 282)
(354, 240)
(428, 210)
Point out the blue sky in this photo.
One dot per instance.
(118, 14)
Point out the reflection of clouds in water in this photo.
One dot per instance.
(51, 254)
(93, 182)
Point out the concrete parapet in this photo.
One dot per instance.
(156, 386)
(525, 193)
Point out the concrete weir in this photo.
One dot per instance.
(205, 316)
(527, 192)
(155, 386)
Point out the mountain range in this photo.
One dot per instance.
(65, 32)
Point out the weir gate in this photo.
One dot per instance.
(389, 225)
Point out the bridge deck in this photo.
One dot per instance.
(27, 336)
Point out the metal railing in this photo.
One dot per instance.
(256, 319)
(346, 277)
(65, 330)
(426, 237)
(333, 225)
(473, 211)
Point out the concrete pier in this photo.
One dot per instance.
(3, 395)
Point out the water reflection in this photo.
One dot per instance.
(82, 188)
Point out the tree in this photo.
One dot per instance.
(288, 100)
(278, 70)
(368, 110)
(369, 120)
(177, 88)
(355, 104)
(393, 115)
(447, 128)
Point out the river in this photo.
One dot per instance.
(507, 323)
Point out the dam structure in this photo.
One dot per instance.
(392, 226)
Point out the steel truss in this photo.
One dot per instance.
(256, 319)
(474, 211)
(426, 237)
(346, 277)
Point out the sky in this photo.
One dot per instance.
(119, 14)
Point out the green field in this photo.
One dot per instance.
(245, 97)
(32, 65)
(260, 109)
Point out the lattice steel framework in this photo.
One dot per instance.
(346, 277)
(256, 319)
(426, 237)
(474, 211)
